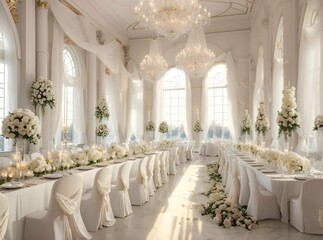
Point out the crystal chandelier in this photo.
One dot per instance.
(195, 58)
(171, 18)
(153, 65)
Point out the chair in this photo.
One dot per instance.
(189, 151)
(262, 203)
(150, 174)
(235, 183)
(163, 166)
(35, 155)
(182, 154)
(304, 210)
(172, 160)
(229, 174)
(63, 219)
(138, 190)
(4, 162)
(119, 195)
(157, 170)
(244, 186)
(95, 206)
(4, 215)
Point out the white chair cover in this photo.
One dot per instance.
(182, 154)
(189, 150)
(262, 203)
(163, 166)
(305, 210)
(172, 160)
(95, 206)
(63, 219)
(119, 195)
(4, 215)
(150, 173)
(244, 186)
(229, 174)
(138, 190)
(235, 184)
(157, 170)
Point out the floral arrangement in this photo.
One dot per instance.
(223, 212)
(42, 93)
(80, 158)
(21, 123)
(197, 127)
(246, 124)
(318, 123)
(163, 127)
(291, 162)
(166, 144)
(94, 155)
(262, 122)
(150, 127)
(102, 130)
(288, 118)
(273, 156)
(141, 148)
(117, 151)
(102, 110)
(40, 166)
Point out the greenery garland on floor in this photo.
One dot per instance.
(222, 211)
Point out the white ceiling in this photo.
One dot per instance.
(116, 17)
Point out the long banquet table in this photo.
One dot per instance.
(36, 195)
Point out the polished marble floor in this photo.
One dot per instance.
(174, 214)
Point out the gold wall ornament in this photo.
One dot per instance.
(68, 41)
(12, 5)
(107, 71)
(42, 4)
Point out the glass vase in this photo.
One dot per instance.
(19, 157)
(286, 142)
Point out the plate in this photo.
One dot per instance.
(303, 178)
(85, 168)
(150, 153)
(256, 165)
(249, 161)
(102, 164)
(12, 185)
(268, 171)
(53, 176)
(140, 156)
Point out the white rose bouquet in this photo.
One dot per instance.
(288, 118)
(163, 127)
(40, 166)
(42, 93)
(246, 124)
(197, 127)
(318, 123)
(21, 123)
(80, 158)
(102, 130)
(150, 127)
(262, 122)
(102, 110)
(94, 155)
(291, 162)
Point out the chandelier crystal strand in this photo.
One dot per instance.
(153, 65)
(195, 58)
(171, 18)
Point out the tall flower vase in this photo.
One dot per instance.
(261, 139)
(151, 135)
(19, 157)
(320, 141)
(287, 144)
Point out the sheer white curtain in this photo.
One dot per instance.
(157, 107)
(309, 75)
(10, 54)
(57, 75)
(278, 86)
(188, 127)
(135, 104)
(233, 97)
(258, 87)
(204, 109)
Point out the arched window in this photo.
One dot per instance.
(217, 102)
(71, 78)
(174, 102)
(8, 73)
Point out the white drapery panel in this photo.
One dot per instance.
(80, 31)
(4, 223)
(310, 77)
(233, 97)
(258, 87)
(204, 109)
(278, 86)
(157, 104)
(135, 111)
(57, 75)
(188, 127)
(106, 216)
